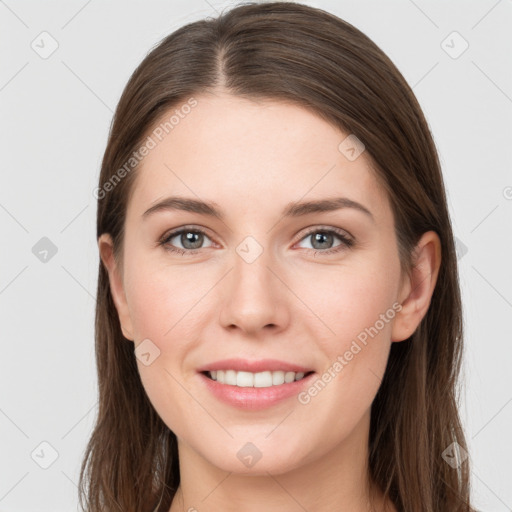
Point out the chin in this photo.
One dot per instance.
(250, 458)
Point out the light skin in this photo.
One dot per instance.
(294, 302)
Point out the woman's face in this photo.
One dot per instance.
(266, 279)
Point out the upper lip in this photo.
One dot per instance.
(246, 365)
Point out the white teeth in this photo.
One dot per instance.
(263, 379)
(257, 380)
(242, 379)
(289, 377)
(230, 377)
(277, 378)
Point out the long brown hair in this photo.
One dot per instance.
(304, 55)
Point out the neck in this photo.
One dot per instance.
(336, 480)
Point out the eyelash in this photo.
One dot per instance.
(346, 241)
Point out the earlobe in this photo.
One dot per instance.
(106, 249)
(416, 291)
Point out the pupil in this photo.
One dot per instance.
(321, 237)
(189, 237)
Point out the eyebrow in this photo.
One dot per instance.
(294, 209)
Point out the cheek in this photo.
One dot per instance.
(364, 305)
(350, 301)
(161, 300)
(358, 305)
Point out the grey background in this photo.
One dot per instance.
(55, 116)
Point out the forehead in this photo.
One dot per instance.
(253, 156)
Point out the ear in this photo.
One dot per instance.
(416, 292)
(106, 248)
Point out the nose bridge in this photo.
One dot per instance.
(253, 299)
(251, 265)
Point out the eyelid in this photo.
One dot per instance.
(178, 231)
(346, 238)
(323, 228)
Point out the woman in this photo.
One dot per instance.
(238, 368)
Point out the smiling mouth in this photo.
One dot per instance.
(263, 379)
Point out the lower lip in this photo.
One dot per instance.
(255, 399)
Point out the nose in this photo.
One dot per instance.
(255, 297)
